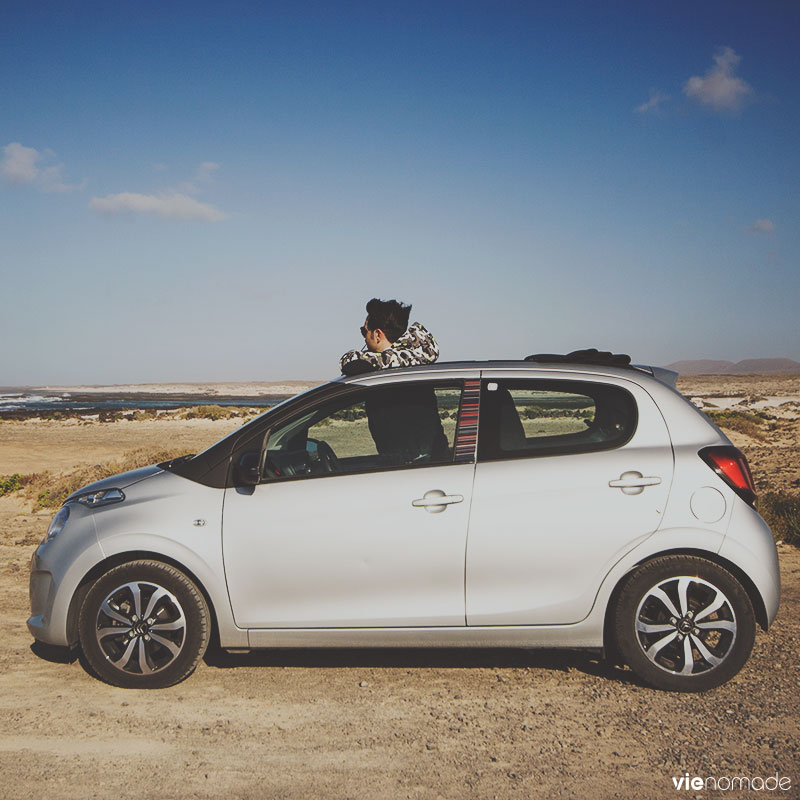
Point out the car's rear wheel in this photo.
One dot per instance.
(684, 623)
(143, 625)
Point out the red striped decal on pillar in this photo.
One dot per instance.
(467, 427)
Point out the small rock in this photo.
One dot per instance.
(363, 684)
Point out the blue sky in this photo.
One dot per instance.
(212, 191)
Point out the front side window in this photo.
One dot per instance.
(537, 417)
(387, 427)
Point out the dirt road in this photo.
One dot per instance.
(384, 724)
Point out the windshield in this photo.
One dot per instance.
(257, 420)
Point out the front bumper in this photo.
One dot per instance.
(40, 589)
(47, 624)
(57, 569)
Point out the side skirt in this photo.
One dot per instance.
(577, 635)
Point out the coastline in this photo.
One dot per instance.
(232, 389)
(21, 402)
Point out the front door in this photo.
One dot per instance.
(360, 520)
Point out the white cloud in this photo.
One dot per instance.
(206, 170)
(168, 205)
(20, 165)
(51, 180)
(762, 226)
(656, 99)
(719, 89)
(202, 175)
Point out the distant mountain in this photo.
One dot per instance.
(759, 366)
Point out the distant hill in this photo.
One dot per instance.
(761, 366)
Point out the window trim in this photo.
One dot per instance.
(457, 383)
(489, 451)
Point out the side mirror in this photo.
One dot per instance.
(248, 471)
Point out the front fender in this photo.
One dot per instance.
(207, 572)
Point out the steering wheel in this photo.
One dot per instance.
(328, 460)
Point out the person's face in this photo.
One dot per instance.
(372, 338)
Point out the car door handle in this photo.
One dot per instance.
(436, 500)
(634, 482)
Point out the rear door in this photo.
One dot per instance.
(571, 474)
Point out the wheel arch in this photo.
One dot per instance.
(759, 607)
(115, 560)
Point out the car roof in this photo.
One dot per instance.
(635, 371)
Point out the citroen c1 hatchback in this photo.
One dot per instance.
(479, 504)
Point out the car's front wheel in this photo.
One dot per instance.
(143, 625)
(684, 624)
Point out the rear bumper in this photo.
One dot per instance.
(749, 545)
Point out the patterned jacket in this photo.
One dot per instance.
(416, 346)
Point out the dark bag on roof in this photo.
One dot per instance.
(590, 356)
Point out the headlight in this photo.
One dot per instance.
(102, 497)
(57, 523)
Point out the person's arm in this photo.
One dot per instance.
(416, 346)
(354, 362)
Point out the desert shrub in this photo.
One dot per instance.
(49, 491)
(142, 415)
(210, 412)
(537, 412)
(109, 416)
(781, 511)
(57, 415)
(746, 422)
(349, 414)
(10, 483)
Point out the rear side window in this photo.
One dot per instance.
(523, 418)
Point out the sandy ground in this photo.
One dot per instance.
(36, 445)
(775, 459)
(376, 724)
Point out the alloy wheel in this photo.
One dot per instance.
(140, 627)
(685, 625)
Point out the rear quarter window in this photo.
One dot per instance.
(528, 418)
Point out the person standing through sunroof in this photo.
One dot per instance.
(389, 341)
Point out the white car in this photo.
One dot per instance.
(471, 504)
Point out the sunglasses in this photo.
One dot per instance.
(363, 331)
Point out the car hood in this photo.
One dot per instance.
(119, 481)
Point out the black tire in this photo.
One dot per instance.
(138, 650)
(674, 651)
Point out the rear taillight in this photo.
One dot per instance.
(731, 465)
